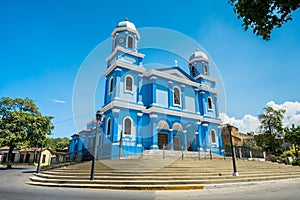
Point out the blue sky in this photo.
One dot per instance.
(43, 44)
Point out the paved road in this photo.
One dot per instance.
(13, 187)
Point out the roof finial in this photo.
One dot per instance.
(175, 63)
(197, 49)
(126, 19)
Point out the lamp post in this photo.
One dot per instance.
(39, 160)
(235, 173)
(96, 141)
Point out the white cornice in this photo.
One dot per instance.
(171, 77)
(212, 90)
(206, 78)
(119, 48)
(125, 65)
(198, 59)
(124, 29)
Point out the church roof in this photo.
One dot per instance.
(176, 71)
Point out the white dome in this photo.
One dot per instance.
(200, 54)
(127, 24)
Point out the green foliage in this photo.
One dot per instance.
(271, 124)
(21, 122)
(58, 143)
(296, 162)
(264, 15)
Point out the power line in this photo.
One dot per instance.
(66, 120)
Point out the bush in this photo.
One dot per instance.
(296, 162)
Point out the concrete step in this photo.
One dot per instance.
(162, 174)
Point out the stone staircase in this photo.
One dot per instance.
(156, 174)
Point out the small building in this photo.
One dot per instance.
(237, 138)
(4, 154)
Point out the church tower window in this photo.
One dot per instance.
(213, 136)
(111, 84)
(127, 126)
(193, 71)
(130, 42)
(205, 69)
(129, 83)
(108, 127)
(177, 96)
(209, 102)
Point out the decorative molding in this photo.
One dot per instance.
(184, 131)
(153, 116)
(206, 77)
(205, 124)
(124, 29)
(140, 114)
(198, 59)
(125, 65)
(119, 48)
(115, 110)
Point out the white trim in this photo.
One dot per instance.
(106, 130)
(125, 65)
(171, 77)
(132, 83)
(125, 28)
(156, 110)
(115, 110)
(198, 59)
(212, 90)
(128, 51)
(131, 125)
(206, 77)
(180, 98)
(140, 114)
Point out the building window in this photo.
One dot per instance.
(209, 102)
(205, 69)
(130, 42)
(177, 96)
(108, 127)
(128, 83)
(193, 71)
(213, 136)
(111, 84)
(127, 126)
(114, 43)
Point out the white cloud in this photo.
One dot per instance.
(251, 123)
(57, 101)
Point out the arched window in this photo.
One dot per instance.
(213, 136)
(193, 71)
(127, 126)
(108, 127)
(177, 96)
(111, 84)
(205, 69)
(130, 42)
(114, 43)
(209, 103)
(128, 83)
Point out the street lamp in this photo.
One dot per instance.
(235, 173)
(96, 141)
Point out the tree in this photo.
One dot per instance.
(21, 121)
(271, 124)
(58, 143)
(264, 15)
(292, 135)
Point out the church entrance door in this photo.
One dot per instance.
(162, 140)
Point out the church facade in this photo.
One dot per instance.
(165, 108)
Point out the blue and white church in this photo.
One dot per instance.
(164, 108)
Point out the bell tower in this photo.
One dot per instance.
(199, 64)
(125, 35)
